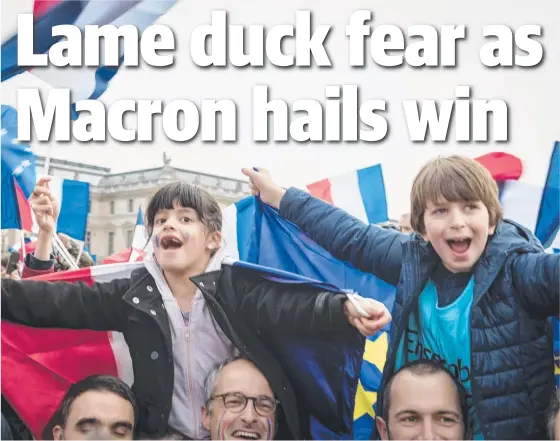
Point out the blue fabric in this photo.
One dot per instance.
(372, 189)
(17, 162)
(442, 334)
(516, 289)
(74, 209)
(264, 238)
(548, 220)
(64, 13)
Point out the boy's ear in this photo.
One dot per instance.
(491, 229)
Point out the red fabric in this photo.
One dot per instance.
(26, 221)
(123, 256)
(502, 166)
(322, 190)
(27, 272)
(39, 365)
(42, 6)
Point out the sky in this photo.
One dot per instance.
(532, 94)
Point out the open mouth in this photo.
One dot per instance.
(243, 434)
(459, 246)
(170, 243)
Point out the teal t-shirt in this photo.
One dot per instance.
(443, 335)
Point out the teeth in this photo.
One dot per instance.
(169, 241)
(241, 433)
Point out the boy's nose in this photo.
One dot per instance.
(457, 219)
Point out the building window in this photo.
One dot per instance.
(112, 207)
(111, 243)
(130, 206)
(129, 237)
(88, 240)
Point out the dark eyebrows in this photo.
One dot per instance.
(405, 412)
(93, 421)
(187, 210)
(449, 413)
(85, 421)
(124, 424)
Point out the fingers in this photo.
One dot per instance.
(40, 211)
(361, 328)
(254, 172)
(369, 327)
(373, 308)
(43, 206)
(43, 182)
(378, 315)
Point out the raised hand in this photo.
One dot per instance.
(262, 185)
(44, 206)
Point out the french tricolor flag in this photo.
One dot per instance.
(74, 202)
(84, 82)
(19, 178)
(361, 193)
(50, 360)
(537, 207)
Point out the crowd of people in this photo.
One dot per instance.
(470, 353)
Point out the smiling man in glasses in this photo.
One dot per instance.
(239, 402)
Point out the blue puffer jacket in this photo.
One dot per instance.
(516, 290)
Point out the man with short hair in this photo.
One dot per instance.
(422, 400)
(239, 402)
(97, 407)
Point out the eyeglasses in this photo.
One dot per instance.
(237, 402)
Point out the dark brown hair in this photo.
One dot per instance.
(454, 179)
(188, 196)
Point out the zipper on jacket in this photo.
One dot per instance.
(189, 367)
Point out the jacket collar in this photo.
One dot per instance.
(420, 259)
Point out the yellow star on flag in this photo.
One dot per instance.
(376, 351)
(364, 402)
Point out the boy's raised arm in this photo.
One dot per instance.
(367, 247)
(537, 278)
(64, 305)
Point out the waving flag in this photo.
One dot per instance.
(18, 174)
(361, 193)
(19, 178)
(74, 200)
(255, 233)
(536, 207)
(136, 252)
(41, 356)
(85, 82)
